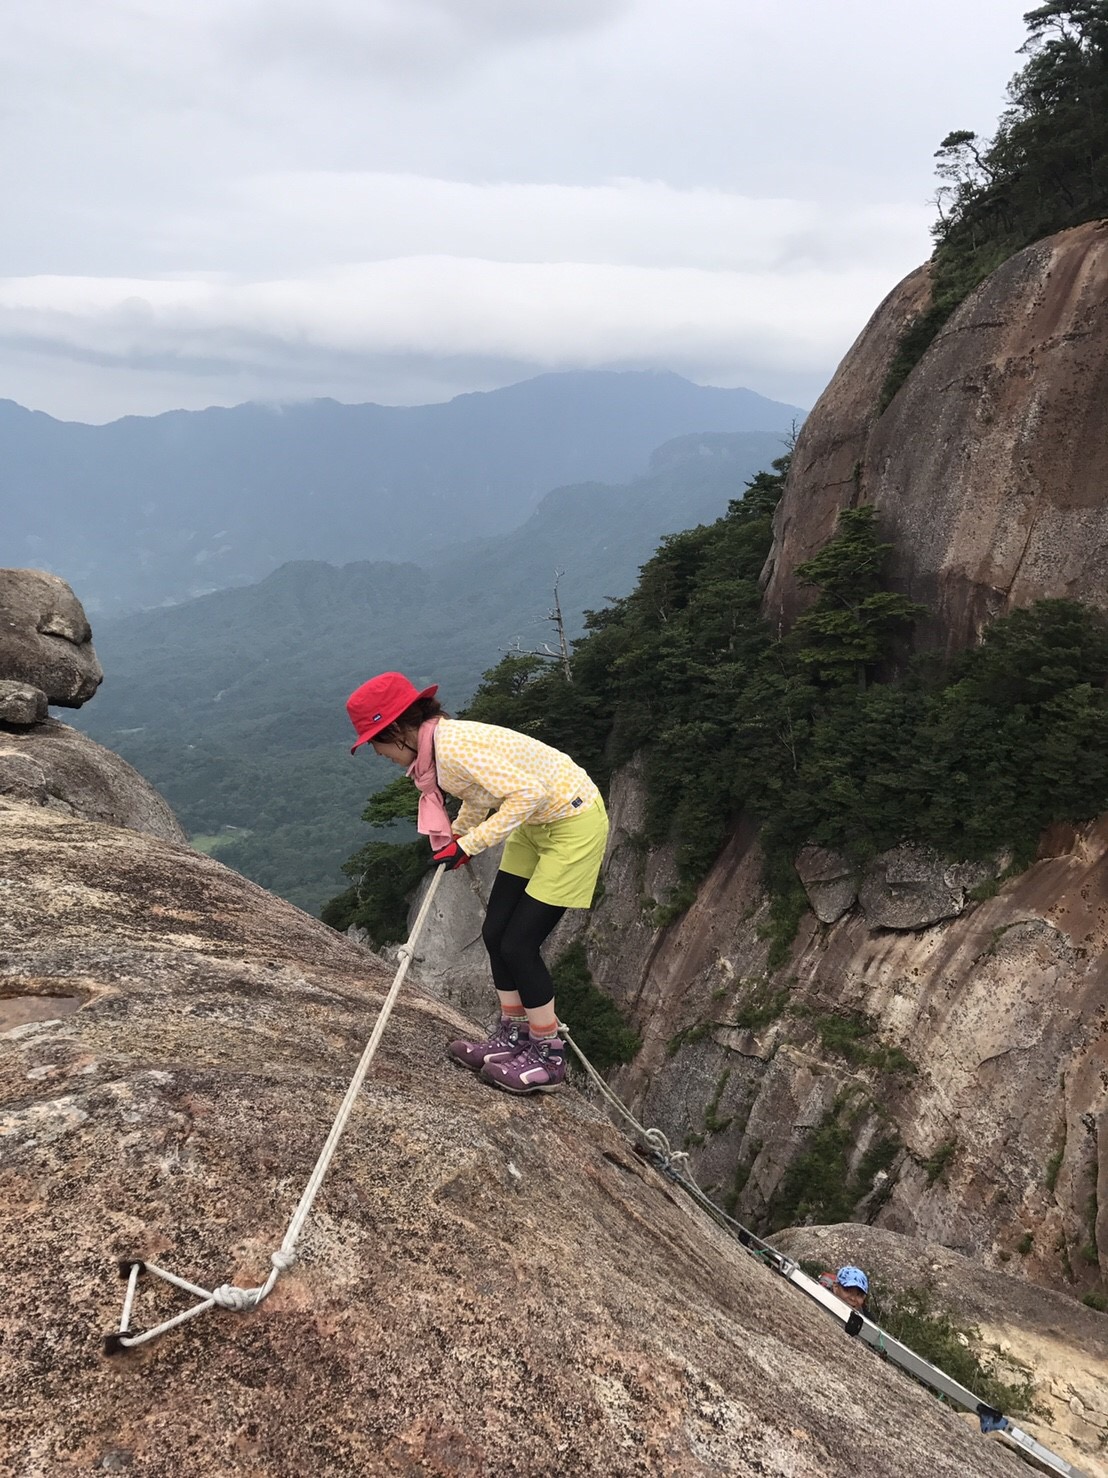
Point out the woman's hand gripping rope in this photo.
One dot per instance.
(450, 856)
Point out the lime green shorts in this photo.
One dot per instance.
(561, 858)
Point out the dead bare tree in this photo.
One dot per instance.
(555, 617)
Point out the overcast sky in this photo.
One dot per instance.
(397, 200)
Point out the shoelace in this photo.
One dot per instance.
(540, 1053)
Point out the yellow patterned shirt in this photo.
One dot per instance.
(517, 778)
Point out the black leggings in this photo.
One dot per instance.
(515, 926)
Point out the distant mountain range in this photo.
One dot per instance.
(151, 510)
(233, 703)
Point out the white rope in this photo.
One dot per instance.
(654, 1138)
(676, 1164)
(227, 1295)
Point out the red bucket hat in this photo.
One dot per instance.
(380, 702)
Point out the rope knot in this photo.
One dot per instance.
(658, 1141)
(282, 1261)
(237, 1300)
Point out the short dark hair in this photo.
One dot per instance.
(417, 713)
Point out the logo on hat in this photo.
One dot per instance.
(380, 702)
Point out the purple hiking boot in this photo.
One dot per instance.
(510, 1037)
(539, 1067)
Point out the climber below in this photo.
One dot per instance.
(850, 1284)
(552, 819)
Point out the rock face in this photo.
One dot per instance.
(989, 467)
(1021, 1327)
(959, 1048)
(976, 1048)
(56, 766)
(828, 457)
(907, 887)
(486, 1284)
(45, 639)
(451, 958)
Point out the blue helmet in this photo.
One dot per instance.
(851, 1277)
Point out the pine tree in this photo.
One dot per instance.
(855, 624)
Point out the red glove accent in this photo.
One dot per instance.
(450, 856)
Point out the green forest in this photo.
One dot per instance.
(232, 704)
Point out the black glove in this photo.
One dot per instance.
(450, 856)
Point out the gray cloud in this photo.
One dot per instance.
(399, 44)
(374, 198)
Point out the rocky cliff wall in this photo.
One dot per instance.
(485, 1285)
(990, 466)
(957, 1045)
(977, 1045)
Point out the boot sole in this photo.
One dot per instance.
(466, 1066)
(522, 1092)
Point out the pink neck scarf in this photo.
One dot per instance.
(433, 821)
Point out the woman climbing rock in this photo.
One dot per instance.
(552, 819)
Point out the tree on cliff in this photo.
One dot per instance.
(1046, 167)
(855, 622)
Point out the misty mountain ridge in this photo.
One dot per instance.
(146, 511)
(233, 703)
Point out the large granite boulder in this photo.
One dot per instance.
(912, 886)
(988, 468)
(52, 765)
(22, 704)
(46, 657)
(486, 1284)
(45, 638)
